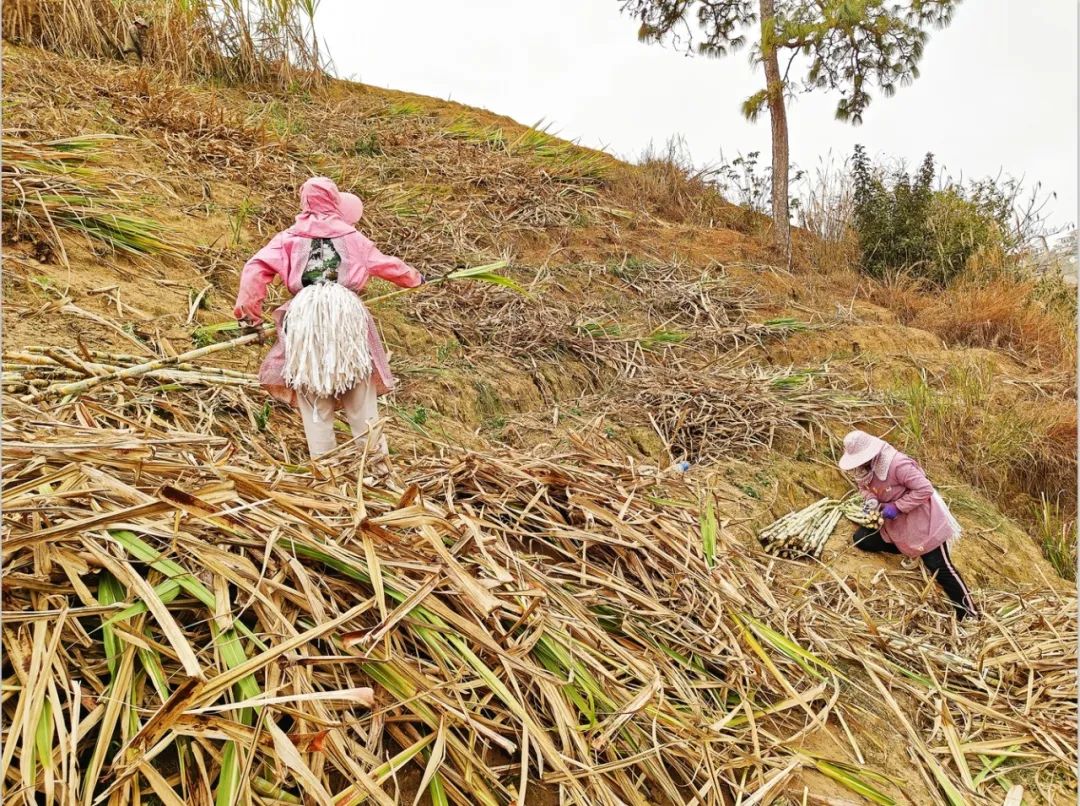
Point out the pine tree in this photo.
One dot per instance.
(847, 46)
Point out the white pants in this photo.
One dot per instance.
(361, 406)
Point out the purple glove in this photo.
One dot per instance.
(889, 512)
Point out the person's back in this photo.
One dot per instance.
(328, 353)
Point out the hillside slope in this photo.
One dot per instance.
(659, 326)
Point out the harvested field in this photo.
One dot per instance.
(182, 618)
(192, 613)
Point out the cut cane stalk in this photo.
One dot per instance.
(79, 387)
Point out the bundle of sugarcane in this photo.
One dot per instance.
(803, 533)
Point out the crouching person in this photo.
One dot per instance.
(916, 522)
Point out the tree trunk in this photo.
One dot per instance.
(774, 86)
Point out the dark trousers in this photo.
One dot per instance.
(937, 562)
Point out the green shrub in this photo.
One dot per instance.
(905, 224)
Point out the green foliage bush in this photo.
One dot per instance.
(906, 224)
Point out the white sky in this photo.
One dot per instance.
(998, 88)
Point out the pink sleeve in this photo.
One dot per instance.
(258, 273)
(919, 488)
(392, 269)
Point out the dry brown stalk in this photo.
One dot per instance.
(137, 370)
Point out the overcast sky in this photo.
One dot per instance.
(998, 88)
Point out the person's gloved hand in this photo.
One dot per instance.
(248, 320)
(249, 317)
(889, 512)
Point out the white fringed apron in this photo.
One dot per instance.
(326, 341)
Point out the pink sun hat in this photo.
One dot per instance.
(859, 448)
(350, 208)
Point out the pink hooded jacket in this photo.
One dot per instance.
(923, 523)
(286, 256)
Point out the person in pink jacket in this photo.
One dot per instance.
(916, 521)
(328, 354)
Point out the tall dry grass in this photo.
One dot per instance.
(826, 209)
(1031, 319)
(1021, 451)
(1007, 314)
(666, 182)
(238, 41)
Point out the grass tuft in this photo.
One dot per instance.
(260, 42)
(561, 160)
(55, 186)
(1055, 531)
(667, 184)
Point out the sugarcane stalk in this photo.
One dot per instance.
(30, 358)
(805, 532)
(116, 359)
(79, 387)
(794, 522)
(43, 376)
(486, 273)
(477, 272)
(861, 512)
(170, 375)
(121, 358)
(825, 531)
(24, 368)
(69, 360)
